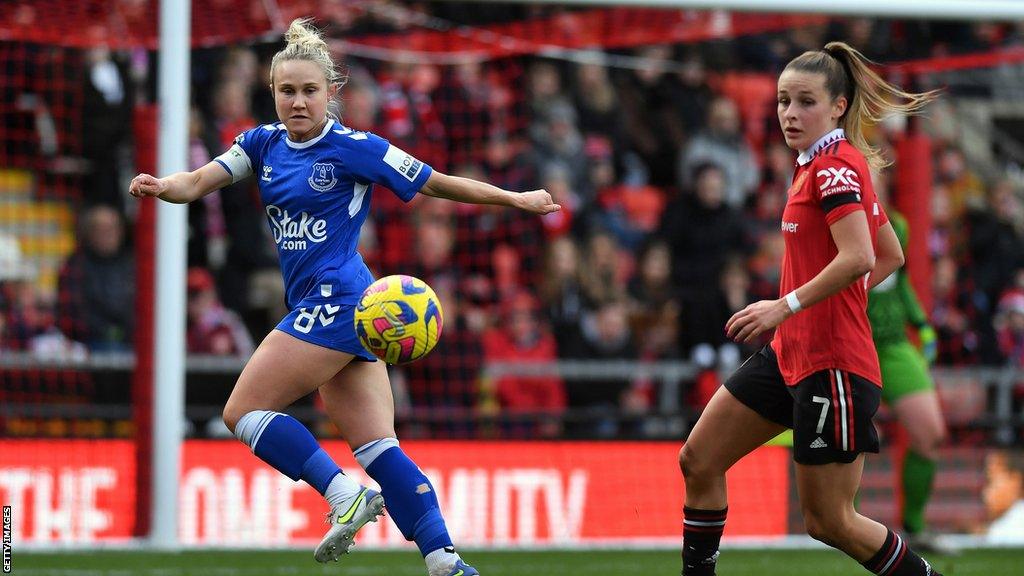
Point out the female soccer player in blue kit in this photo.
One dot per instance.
(315, 178)
(820, 375)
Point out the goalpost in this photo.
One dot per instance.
(172, 230)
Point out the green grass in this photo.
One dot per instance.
(590, 563)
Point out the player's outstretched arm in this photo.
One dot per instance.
(472, 191)
(181, 187)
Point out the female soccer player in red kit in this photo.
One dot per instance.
(819, 375)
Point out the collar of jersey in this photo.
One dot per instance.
(808, 155)
(300, 145)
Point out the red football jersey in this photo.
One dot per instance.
(831, 181)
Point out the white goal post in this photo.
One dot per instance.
(169, 334)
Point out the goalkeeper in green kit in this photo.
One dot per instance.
(908, 389)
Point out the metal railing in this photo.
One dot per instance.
(988, 398)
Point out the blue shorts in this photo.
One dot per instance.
(319, 321)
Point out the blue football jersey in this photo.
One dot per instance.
(316, 195)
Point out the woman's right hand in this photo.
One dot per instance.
(146, 185)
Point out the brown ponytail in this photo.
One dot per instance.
(870, 99)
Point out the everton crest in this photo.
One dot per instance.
(322, 179)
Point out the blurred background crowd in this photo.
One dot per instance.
(666, 158)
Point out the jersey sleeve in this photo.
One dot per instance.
(883, 219)
(837, 187)
(242, 156)
(377, 160)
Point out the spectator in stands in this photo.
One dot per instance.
(556, 138)
(362, 104)
(473, 105)
(433, 229)
(212, 328)
(1009, 326)
(1004, 497)
(398, 115)
(704, 312)
(654, 129)
(561, 291)
(598, 404)
(107, 101)
(543, 88)
(604, 273)
(96, 298)
(530, 405)
(952, 316)
(946, 236)
(597, 103)
(963, 186)
(27, 320)
(232, 109)
(431, 137)
(21, 315)
(702, 229)
(996, 250)
(31, 325)
(241, 65)
(207, 237)
(872, 36)
(654, 306)
(505, 163)
(692, 95)
(629, 210)
(723, 143)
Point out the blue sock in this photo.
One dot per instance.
(409, 496)
(284, 443)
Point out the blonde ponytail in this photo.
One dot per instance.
(306, 43)
(870, 98)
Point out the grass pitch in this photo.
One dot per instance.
(586, 563)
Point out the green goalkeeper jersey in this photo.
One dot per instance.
(893, 304)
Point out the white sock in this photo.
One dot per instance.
(368, 452)
(440, 561)
(341, 489)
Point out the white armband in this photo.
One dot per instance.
(793, 302)
(237, 162)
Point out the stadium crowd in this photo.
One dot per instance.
(671, 175)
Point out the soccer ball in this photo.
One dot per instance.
(399, 319)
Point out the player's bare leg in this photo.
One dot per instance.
(726, 431)
(920, 414)
(360, 403)
(827, 492)
(282, 370)
(358, 400)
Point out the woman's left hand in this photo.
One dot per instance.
(756, 318)
(538, 202)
